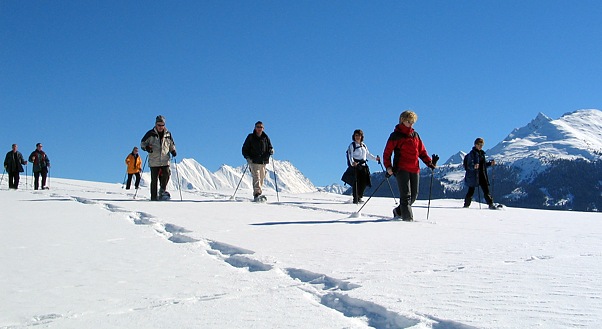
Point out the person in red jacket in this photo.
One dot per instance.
(406, 147)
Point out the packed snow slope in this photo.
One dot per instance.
(89, 255)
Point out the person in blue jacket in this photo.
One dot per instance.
(476, 166)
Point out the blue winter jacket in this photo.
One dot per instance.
(471, 178)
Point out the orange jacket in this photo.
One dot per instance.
(134, 163)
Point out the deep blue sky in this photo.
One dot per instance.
(87, 78)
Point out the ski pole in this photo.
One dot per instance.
(240, 181)
(143, 166)
(428, 208)
(492, 179)
(357, 213)
(354, 190)
(124, 178)
(390, 187)
(275, 178)
(434, 160)
(178, 177)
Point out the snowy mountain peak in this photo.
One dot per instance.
(192, 176)
(455, 159)
(575, 135)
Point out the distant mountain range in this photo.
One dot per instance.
(194, 177)
(551, 164)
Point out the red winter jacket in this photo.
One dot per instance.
(407, 148)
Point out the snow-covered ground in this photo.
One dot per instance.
(87, 255)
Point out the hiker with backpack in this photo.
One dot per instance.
(476, 166)
(13, 165)
(257, 150)
(41, 163)
(405, 145)
(358, 172)
(159, 144)
(134, 166)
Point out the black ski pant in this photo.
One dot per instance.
(484, 184)
(36, 178)
(129, 182)
(13, 180)
(162, 175)
(407, 183)
(362, 179)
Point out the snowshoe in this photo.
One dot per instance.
(260, 198)
(496, 206)
(164, 196)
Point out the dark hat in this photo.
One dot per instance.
(160, 118)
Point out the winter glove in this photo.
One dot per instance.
(433, 163)
(149, 149)
(173, 153)
(389, 172)
(271, 151)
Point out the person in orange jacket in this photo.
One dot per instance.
(134, 164)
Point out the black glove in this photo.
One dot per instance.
(435, 159)
(173, 153)
(149, 149)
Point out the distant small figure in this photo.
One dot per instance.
(134, 167)
(13, 164)
(407, 147)
(476, 165)
(159, 144)
(40, 163)
(357, 158)
(257, 150)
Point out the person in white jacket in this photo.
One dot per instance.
(357, 157)
(159, 144)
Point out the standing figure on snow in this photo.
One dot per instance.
(406, 147)
(40, 163)
(257, 150)
(357, 158)
(159, 144)
(476, 165)
(134, 165)
(13, 164)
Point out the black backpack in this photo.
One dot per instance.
(354, 148)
